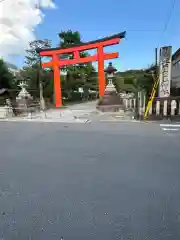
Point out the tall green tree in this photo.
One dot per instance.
(32, 71)
(32, 56)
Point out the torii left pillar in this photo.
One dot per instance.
(57, 82)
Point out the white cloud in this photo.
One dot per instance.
(18, 20)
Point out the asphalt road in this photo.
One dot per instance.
(89, 181)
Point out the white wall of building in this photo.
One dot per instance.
(176, 72)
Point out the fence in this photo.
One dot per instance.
(162, 108)
(6, 112)
(21, 111)
(165, 108)
(134, 104)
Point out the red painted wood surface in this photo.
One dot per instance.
(80, 48)
(57, 83)
(102, 82)
(94, 58)
(56, 63)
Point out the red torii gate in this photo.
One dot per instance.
(56, 62)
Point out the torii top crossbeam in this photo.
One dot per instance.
(57, 62)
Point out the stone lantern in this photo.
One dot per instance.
(23, 93)
(24, 98)
(111, 101)
(110, 71)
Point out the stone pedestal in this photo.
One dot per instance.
(111, 101)
(6, 112)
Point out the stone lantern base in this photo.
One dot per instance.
(111, 101)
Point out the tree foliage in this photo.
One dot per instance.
(8, 88)
(69, 38)
(6, 77)
(32, 71)
(32, 57)
(137, 80)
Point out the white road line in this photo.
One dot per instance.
(170, 125)
(170, 129)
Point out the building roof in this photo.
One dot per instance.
(176, 54)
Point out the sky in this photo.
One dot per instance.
(18, 20)
(143, 20)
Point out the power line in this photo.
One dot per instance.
(173, 4)
(170, 15)
(166, 23)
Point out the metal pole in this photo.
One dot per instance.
(156, 57)
(156, 62)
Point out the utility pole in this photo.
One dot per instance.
(42, 103)
(156, 57)
(156, 62)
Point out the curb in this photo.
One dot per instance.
(77, 120)
(45, 121)
(121, 120)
